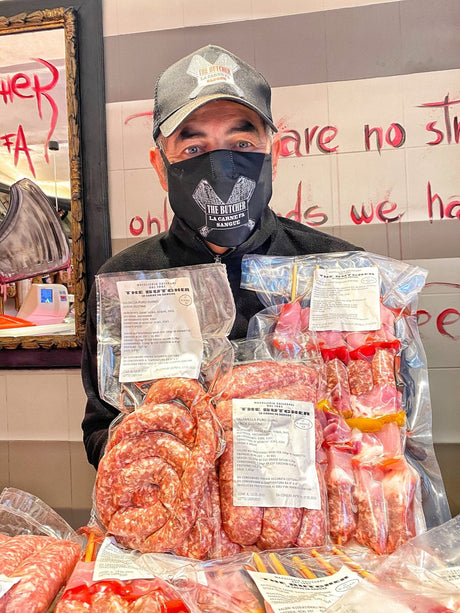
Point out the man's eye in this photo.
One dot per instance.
(244, 144)
(192, 150)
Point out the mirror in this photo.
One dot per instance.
(47, 257)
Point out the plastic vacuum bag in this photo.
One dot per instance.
(38, 551)
(355, 314)
(162, 324)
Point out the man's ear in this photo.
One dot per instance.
(276, 150)
(157, 162)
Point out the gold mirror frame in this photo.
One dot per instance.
(48, 19)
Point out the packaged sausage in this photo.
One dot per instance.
(354, 313)
(163, 354)
(270, 474)
(38, 556)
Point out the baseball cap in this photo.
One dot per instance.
(210, 73)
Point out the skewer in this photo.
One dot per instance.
(277, 565)
(259, 564)
(324, 563)
(354, 565)
(89, 551)
(303, 568)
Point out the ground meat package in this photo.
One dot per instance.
(354, 315)
(155, 488)
(38, 551)
(270, 475)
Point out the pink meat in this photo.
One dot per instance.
(15, 550)
(314, 525)
(371, 526)
(399, 487)
(381, 400)
(42, 575)
(340, 486)
(338, 389)
(360, 376)
(242, 525)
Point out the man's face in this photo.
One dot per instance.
(220, 124)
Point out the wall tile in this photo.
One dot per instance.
(110, 17)
(208, 11)
(114, 136)
(150, 15)
(43, 469)
(440, 329)
(3, 409)
(82, 477)
(432, 183)
(445, 386)
(77, 403)
(137, 124)
(37, 405)
(117, 203)
(4, 464)
(273, 8)
(145, 199)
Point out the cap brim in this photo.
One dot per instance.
(171, 124)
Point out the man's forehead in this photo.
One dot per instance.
(221, 111)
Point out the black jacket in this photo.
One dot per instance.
(179, 246)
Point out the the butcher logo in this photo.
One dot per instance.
(225, 215)
(208, 74)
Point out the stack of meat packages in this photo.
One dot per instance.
(164, 483)
(373, 493)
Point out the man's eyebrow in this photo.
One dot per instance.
(244, 126)
(189, 132)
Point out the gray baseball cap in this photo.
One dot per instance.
(210, 73)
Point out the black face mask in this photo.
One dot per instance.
(221, 194)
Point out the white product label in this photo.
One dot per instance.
(114, 562)
(295, 595)
(160, 331)
(451, 574)
(345, 299)
(6, 583)
(274, 454)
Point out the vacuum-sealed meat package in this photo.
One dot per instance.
(354, 315)
(270, 474)
(163, 354)
(38, 552)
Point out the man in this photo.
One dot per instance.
(216, 155)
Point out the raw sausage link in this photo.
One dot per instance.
(188, 391)
(153, 444)
(371, 525)
(17, 548)
(338, 387)
(257, 377)
(383, 368)
(280, 527)
(168, 417)
(192, 485)
(42, 575)
(242, 525)
(360, 376)
(222, 546)
(314, 529)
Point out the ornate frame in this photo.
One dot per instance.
(90, 241)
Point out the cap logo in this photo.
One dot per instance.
(208, 74)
